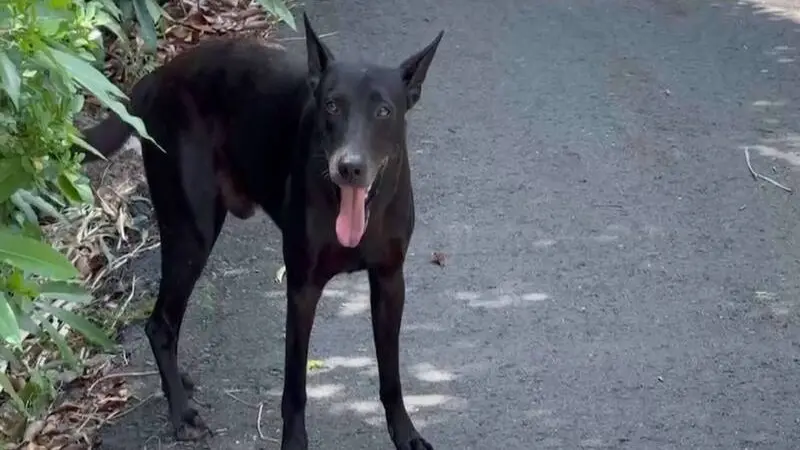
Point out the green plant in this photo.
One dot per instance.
(279, 9)
(147, 13)
(48, 52)
(37, 297)
(51, 55)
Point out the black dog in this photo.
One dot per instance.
(322, 150)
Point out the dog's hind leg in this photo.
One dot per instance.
(188, 235)
(387, 299)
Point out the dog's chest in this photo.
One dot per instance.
(334, 260)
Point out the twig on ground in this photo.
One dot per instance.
(124, 304)
(230, 392)
(89, 417)
(116, 415)
(301, 38)
(258, 420)
(121, 375)
(756, 175)
(258, 425)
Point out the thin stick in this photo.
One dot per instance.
(300, 38)
(121, 375)
(89, 417)
(125, 304)
(258, 425)
(756, 175)
(229, 393)
(116, 415)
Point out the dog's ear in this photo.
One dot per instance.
(318, 54)
(415, 68)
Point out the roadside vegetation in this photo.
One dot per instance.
(66, 234)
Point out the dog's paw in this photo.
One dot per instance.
(191, 427)
(415, 443)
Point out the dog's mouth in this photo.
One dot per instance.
(351, 223)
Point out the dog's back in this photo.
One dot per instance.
(258, 91)
(255, 92)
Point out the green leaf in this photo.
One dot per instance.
(80, 324)
(32, 230)
(61, 343)
(40, 204)
(9, 328)
(155, 10)
(111, 7)
(146, 25)
(83, 72)
(12, 182)
(105, 91)
(76, 103)
(80, 142)
(25, 208)
(37, 393)
(27, 324)
(127, 14)
(5, 383)
(10, 78)
(85, 191)
(61, 290)
(35, 257)
(279, 9)
(104, 19)
(67, 188)
(6, 354)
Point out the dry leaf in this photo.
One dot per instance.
(438, 258)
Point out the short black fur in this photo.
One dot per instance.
(246, 124)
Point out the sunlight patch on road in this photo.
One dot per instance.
(791, 157)
(324, 390)
(499, 299)
(781, 9)
(428, 372)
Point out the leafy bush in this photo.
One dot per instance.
(48, 52)
(51, 54)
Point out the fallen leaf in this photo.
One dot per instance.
(438, 258)
(315, 364)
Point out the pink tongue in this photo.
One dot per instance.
(351, 222)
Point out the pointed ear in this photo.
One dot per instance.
(319, 57)
(415, 68)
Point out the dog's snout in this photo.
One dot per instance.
(353, 168)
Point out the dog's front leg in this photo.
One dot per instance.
(387, 298)
(302, 305)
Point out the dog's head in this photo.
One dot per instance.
(360, 117)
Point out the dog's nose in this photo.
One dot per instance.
(353, 168)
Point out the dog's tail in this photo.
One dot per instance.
(108, 136)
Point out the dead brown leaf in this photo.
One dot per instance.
(438, 258)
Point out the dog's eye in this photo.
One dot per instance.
(331, 107)
(384, 111)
